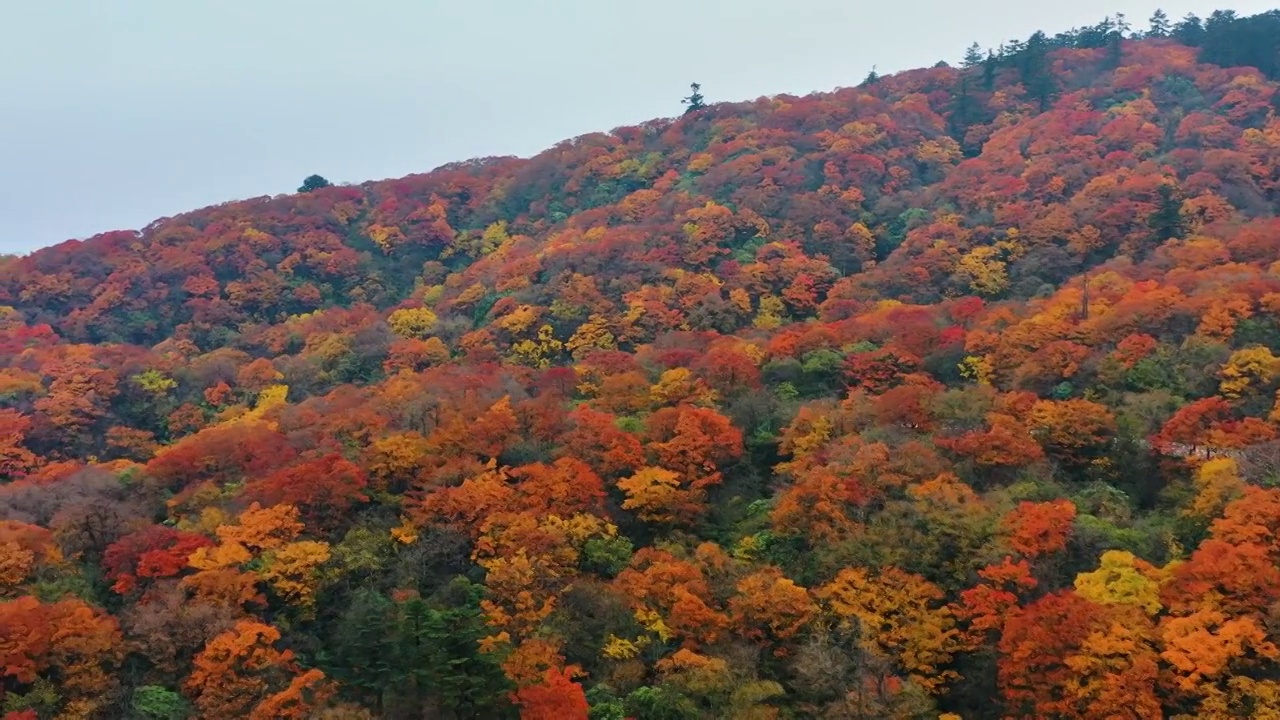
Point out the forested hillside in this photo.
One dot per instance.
(952, 394)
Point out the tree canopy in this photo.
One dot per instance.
(951, 395)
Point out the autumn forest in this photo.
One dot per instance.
(951, 395)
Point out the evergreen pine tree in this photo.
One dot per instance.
(989, 68)
(1167, 222)
(440, 653)
(313, 182)
(1033, 66)
(364, 651)
(695, 101)
(407, 656)
(1122, 25)
(1160, 27)
(973, 56)
(1115, 44)
(961, 112)
(1189, 31)
(1094, 36)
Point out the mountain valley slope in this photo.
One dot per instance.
(953, 394)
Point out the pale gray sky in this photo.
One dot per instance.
(115, 112)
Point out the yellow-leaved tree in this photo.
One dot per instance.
(898, 616)
(1247, 368)
(414, 323)
(1123, 579)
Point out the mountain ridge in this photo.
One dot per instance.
(537, 165)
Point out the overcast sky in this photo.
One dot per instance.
(116, 112)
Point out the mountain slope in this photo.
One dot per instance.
(952, 392)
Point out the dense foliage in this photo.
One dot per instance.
(951, 394)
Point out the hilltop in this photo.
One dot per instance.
(954, 392)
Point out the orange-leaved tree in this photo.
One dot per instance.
(240, 673)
